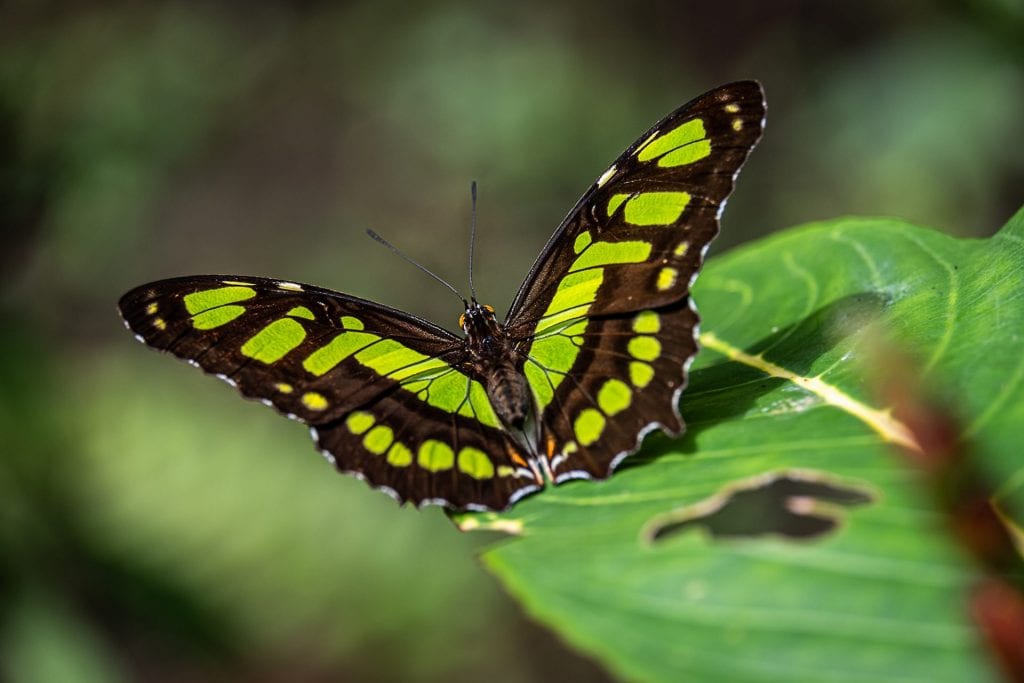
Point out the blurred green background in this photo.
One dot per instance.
(153, 526)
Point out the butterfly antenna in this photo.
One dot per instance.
(419, 265)
(472, 238)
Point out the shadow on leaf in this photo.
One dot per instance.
(729, 389)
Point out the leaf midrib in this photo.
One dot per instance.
(880, 421)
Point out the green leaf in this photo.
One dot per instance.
(782, 398)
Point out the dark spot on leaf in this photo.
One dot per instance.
(794, 505)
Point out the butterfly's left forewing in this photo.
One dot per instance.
(389, 397)
(603, 324)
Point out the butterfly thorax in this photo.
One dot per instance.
(493, 359)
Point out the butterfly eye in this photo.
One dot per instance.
(490, 309)
(462, 321)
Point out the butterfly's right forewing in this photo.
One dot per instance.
(603, 323)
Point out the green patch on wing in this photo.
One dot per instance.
(656, 208)
(274, 341)
(475, 463)
(327, 357)
(203, 300)
(215, 317)
(435, 456)
(683, 145)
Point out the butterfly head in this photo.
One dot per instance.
(479, 320)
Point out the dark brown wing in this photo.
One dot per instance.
(386, 393)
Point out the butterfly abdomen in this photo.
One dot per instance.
(509, 394)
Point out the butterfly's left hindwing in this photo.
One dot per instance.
(603, 323)
(387, 394)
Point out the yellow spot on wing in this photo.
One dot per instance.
(215, 317)
(160, 324)
(575, 293)
(656, 208)
(351, 323)
(615, 202)
(314, 401)
(475, 463)
(681, 248)
(359, 421)
(506, 471)
(435, 456)
(614, 396)
(608, 253)
(737, 125)
(284, 387)
(683, 145)
(640, 374)
(644, 348)
(393, 359)
(197, 302)
(378, 439)
(152, 308)
(321, 361)
(301, 312)
(732, 107)
(582, 241)
(588, 426)
(396, 361)
(686, 155)
(646, 322)
(274, 341)
(399, 455)
(667, 278)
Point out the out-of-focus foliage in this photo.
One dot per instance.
(152, 525)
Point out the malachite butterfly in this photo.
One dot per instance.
(592, 356)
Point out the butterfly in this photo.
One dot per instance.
(592, 356)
